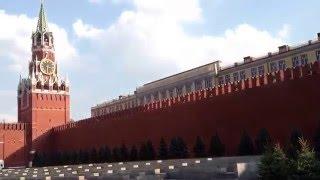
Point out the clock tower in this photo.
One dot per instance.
(43, 97)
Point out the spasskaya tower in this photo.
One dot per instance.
(43, 97)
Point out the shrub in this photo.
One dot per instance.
(133, 154)
(116, 154)
(199, 149)
(262, 141)
(316, 141)
(150, 152)
(307, 165)
(107, 155)
(173, 148)
(163, 150)
(74, 157)
(124, 153)
(143, 152)
(274, 164)
(246, 146)
(294, 146)
(216, 147)
(93, 156)
(178, 148)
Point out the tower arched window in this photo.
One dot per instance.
(46, 87)
(63, 87)
(46, 39)
(55, 86)
(39, 39)
(39, 85)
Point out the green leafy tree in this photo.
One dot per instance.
(101, 155)
(182, 148)
(93, 156)
(174, 149)
(36, 159)
(74, 157)
(316, 141)
(199, 148)
(116, 154)
(178, 148)
(124, 153)
(246, 146)
(133, 153)
(104, 154)
(262, 141)
(163, 149)
(150, 152)
(86, 156)
(294, 146)
(107, 154)
(216, 147)
(143, 152)
(81, 157)
(274, 164)
(307, 164)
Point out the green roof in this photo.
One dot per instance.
(42, 21)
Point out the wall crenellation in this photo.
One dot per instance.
(13, 126)
(201, 95)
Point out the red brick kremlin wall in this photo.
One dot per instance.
(13, 144)
(279, 102)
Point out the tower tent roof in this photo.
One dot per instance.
(42, 21)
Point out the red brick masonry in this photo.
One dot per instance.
(279, 102)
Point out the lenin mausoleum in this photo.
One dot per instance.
(279, 92)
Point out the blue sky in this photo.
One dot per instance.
(109, 47)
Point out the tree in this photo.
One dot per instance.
(316, 141)
(124, 153)
(59, 159)
(199, 149)
(150, 152)
(93, 156)
(133, 153)
(81, 158)
(36, 159)
(107, 154)
(307, 165)
(74, 157)
(216, 147)
(173, 149)
(246, 146)
(116, 154)
(294, 146)
(262, 141)
(274, 164)
(101, 154)
(163, 150)
(143, 152)
(182, 148)
(104, 154)
(85, 157)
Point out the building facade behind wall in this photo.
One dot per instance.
(212, 74)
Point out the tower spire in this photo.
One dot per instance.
(42, 21)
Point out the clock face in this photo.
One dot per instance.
(47, 66)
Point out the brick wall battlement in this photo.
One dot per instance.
(13, 126)
(203, 95)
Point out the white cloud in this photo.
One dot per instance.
(85, 30)
(285, 31)
(15, 40)
(152, 37)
